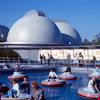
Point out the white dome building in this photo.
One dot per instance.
(70, 35)
(35, 12)
(34, 28)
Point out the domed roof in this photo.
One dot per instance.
(70, 35)
(33, 28)
(35, 12)
(3, 33)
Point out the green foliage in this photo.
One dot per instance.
(86, 42)
(95, 41)
(8, 53)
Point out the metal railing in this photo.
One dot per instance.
(11, 60)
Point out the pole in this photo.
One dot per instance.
(7, 57)
(88, 59)
(40, 57)
(50, 52)
(18, 57)
(52, 57)
(29, 57)
(63, 57)
(73, 57)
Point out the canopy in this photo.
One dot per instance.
(6, 45)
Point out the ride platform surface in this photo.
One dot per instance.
(66, 92)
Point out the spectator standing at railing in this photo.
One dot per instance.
(44, 59)
(80, 59)
(76, 60)
(68, 59)
(41, 58)
(94, 60)
(49, 59)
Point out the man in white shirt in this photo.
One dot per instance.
(52, 75)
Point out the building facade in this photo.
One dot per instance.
(62, 54)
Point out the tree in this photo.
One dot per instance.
(85, 42)
(9, 53)
(97, 38)
(93, 42)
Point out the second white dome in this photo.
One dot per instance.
(70, 35)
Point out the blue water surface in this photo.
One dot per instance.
(66, 92)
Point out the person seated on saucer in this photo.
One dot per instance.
(52, 75)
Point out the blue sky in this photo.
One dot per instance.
(84, 15)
